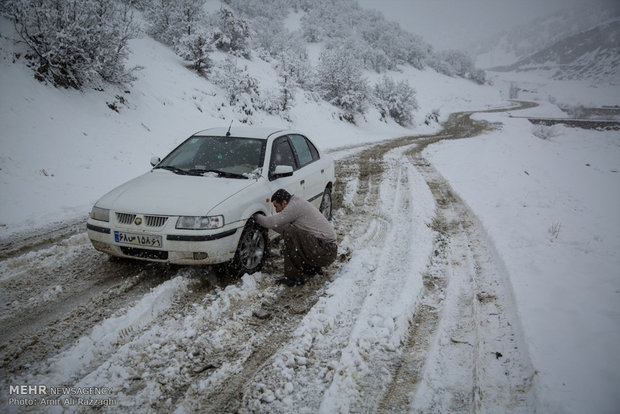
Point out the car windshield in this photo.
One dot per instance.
(231, 157)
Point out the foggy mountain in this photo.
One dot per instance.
(592, 54)
(524, 41)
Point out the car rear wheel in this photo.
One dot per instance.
(326, 203)
(251, 251)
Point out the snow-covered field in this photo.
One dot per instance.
(549, 207)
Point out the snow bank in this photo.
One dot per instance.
(550, 205)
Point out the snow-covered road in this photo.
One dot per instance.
(416, 315)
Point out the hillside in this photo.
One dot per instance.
(593, 54)
(527, 39)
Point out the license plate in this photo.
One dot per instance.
(146, 240)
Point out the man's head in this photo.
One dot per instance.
(280, 199)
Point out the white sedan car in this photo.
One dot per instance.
(194, 206)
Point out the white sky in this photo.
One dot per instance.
(448, 24)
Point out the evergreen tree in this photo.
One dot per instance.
(195, 48)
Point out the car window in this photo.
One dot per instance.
(304, 155)
(313, 150)
(282, 154)
(183, 155)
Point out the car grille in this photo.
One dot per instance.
(124, 218)
(149, 221)
(155, 221)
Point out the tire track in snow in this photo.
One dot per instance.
(259, 330)
(54, 294)
(479, 344)
(311, 359)
(382, 320)
(464, 350)
(316, 357)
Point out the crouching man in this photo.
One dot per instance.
(309, 239)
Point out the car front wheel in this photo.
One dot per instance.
(251, 251)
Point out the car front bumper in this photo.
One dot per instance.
(189, 247)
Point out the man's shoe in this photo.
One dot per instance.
(290, 282)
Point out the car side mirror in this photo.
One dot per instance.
(155, 161)
(282, 171)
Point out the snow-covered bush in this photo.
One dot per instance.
(328, 19)
(396, 100)
(75, 43)
(286, 50)
(545, 132)
(295, 64)
(195, 48)
(379, 44)
(235, 81)
(138, 4)
(272, 9)
(456, 63)
(231, 34)
(340, 82)
(170, 20)
(432, 117)
(388, 39)
(162, 18)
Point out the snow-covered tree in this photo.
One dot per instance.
(183, 24)
(162, 18)
(272, 9)
(378, 44)
(195, 48)
(191, 16)
(231, 34)
(235, 81)
(396, 100)
(340, 81)
(75, 43)
(456, 63)
(328, 19)
(170, 20)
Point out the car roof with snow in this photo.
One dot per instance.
(245, 132)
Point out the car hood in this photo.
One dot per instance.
(162, 192)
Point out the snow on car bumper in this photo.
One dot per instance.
(183, 247)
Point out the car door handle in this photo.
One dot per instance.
(302, 182)
(322, 171)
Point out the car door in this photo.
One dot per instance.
(311, 171)
(282, 154)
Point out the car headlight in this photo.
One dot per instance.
(200, 222)
(101, 214)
